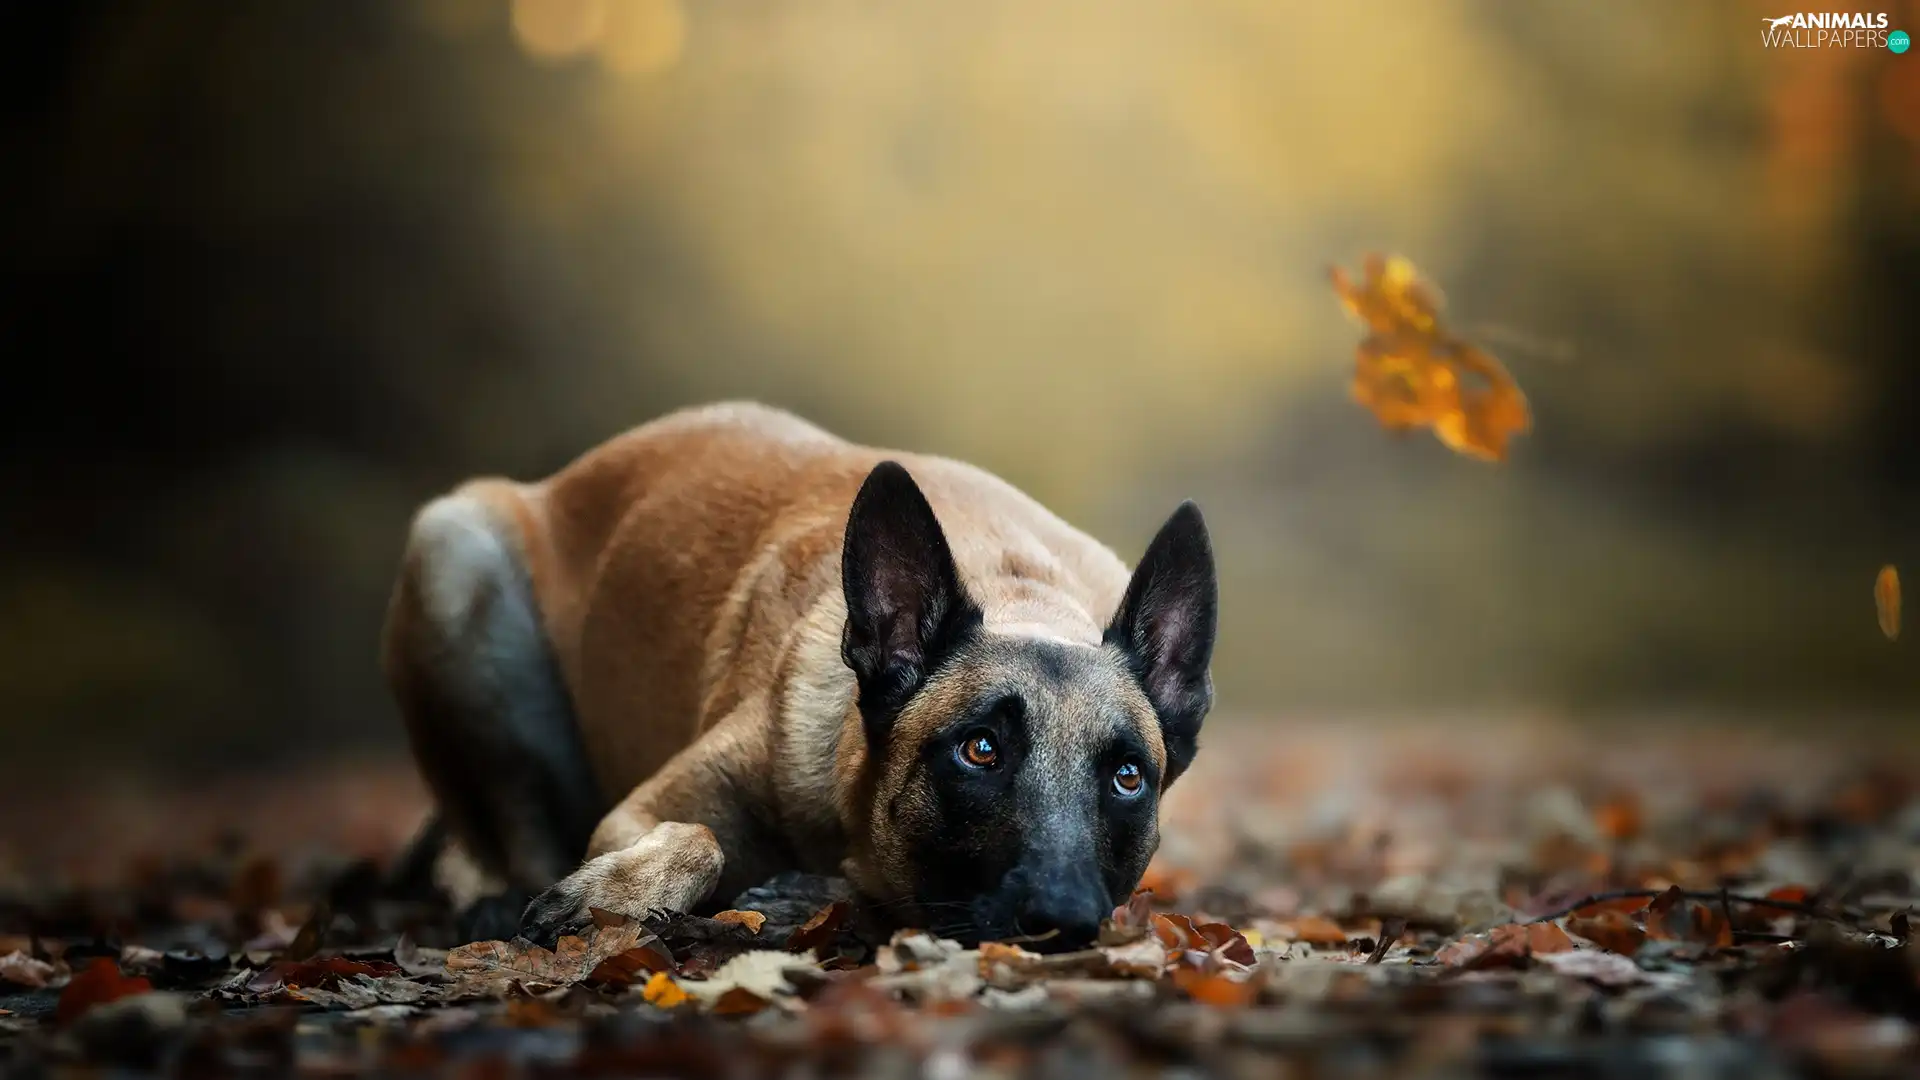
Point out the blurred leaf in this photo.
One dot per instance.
(1611, 930)
(1214, 989)
(1511, 945)
(1412, 373)
(661, 991)
(1886, 600)
(821, 930)
(96, 984)
(19, 969)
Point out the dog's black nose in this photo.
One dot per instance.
(1063, 920)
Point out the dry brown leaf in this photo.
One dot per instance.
(571, 960)
(1136, 912)
(821, 930)
(1177, 933)
(1143, 959)
(1692, 922)
(1412, 373)
(1505, 946)
(1594, 965)
(1316, 930)
(96, 984)
(1611, 930)
(752, 920)
(22, 970)
(663, 992)
(629, 967)
(1218, 990)
(738, 1001)
(1225, 942)
(1886, 601)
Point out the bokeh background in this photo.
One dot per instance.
(278, 271)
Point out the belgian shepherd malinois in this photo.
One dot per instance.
(728, 644)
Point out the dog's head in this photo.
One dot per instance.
(1011, 783)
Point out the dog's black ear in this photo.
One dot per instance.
(1165, 627)
(906, 609)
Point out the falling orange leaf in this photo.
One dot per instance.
(1412, 373)
(1886, 600)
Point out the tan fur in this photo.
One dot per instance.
(687, 577)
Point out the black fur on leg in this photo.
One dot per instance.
(411, 875)
(492, 918)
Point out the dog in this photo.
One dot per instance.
(728, 644)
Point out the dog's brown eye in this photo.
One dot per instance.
(979, 751)
(1127, 779)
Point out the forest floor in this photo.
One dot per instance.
(1433, 900)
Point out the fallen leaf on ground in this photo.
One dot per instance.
(1611, 930)
(761, 975)
(821, 930)
(1673, 917)
(1412, 373)
(1143, 959)
(662, 991)
(1217, 990)
(19, 969)
(1136, 912)
(316, 972)
(571, 960)
(1510, 946)
(1316, 930)
(752, 920)
(96, 984)
(738, 1002)
(1595, 965)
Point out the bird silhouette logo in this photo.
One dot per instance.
(1776, 22)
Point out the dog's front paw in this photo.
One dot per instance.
(672, 868)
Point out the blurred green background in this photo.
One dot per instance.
(277, 271)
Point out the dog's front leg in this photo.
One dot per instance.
(670, 866)
(673, 840)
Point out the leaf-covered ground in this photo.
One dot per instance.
(1435, 901)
